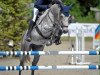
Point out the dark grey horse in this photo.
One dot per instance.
(46, 29)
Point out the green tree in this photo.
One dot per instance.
(81, 9)
(13, 20)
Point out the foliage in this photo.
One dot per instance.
(81, 9)
(14, 18)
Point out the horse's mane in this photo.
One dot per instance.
(42, 16)
(53, 9)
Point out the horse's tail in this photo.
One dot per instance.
(25, 46)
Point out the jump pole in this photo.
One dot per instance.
(62, 67)
(20, 53)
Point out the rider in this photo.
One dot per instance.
(39, 6)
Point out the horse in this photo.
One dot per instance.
(47, 29)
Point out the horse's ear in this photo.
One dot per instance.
(70, 7)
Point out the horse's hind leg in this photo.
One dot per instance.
(21, 63)
(34, 62)
(25, 46)
(36, 57)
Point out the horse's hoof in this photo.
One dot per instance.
(57, 43)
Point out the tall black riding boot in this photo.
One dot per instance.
(31, 25)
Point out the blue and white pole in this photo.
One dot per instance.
(19, 53)
(62, 67)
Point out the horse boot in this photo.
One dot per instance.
(58, 41)
(31, 25)
(58, 38)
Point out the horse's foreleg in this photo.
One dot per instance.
(34, 62)
(22, 60)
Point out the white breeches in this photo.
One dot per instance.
(35, 13)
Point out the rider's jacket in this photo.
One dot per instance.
(42, 5)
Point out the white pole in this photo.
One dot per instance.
(72, 59)
(76, 44)
(79, 44)
(83, 46)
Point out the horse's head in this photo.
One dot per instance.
(61, 15)
(64, 17)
